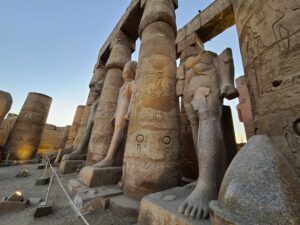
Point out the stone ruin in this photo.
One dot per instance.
(154, 140)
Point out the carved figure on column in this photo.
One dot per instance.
(122, 113)
(208, 79)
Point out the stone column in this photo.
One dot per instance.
(121, 49)
(244, 106)
(269, 34)
(75, 126)
(152, 155)
(98, 75)
(26, 134)
(5, 104)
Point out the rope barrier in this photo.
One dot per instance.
(73, 206)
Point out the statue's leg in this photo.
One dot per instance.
(209, 148)
(114, 144)
(83, 146)
(193, 118)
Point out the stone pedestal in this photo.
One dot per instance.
(161, 208)
(26, 134)
(244, 106)
(5, 104)
(269, 33)
(152, 156)
(75, 126)
(92, 176)
(70, 166)
(125, 206)
(121, 48)
(95, 199)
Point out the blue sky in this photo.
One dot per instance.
(51, 47)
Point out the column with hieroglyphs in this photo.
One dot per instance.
(269, 35)
(152, 155)
(27, 132)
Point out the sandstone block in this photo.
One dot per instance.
(125, 206)
(69, 166)
(93, 176)
(95, 199)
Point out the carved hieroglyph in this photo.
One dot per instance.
(26, 135)
(152, 155)
(75, 125)
(244, 107)
(269, 33)
(121, 49)
(5, 104)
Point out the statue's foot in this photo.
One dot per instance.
(196, 204)
(105, 163)
(229, 92)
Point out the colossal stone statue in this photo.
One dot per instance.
(122, 47)
(5, 104)
(122, 113)
(269, 34)
(98, 76)
(81, 151)
(27, 132)
(152, 155)
(208, 79)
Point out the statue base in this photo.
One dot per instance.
(92, 176)
(96, 199)
(161, 208)
(125, 206)
(70, 166)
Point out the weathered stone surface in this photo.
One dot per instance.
(125, 206)
(75, 126)
(52, 139)
(244, 107)
(161, 208)
(5, 104)
(26, 134)
(121, 49)
(95, 199)
(75, 187)
(92, 176)
(6, 127)
(153, 156)
(259, 187)
(121, 117)
(69, 166)
(11, 206)
(269, 33)
(209, 23)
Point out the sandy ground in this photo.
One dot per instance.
(62, 212)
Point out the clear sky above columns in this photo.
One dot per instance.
(51, 46)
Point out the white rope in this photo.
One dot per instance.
(64, 190)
